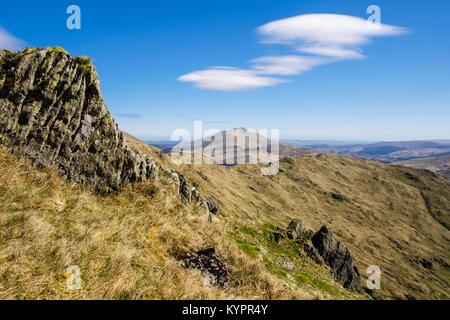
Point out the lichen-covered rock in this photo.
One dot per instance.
(212, 205)
(52, 112)
(213, 269)
(339, 258)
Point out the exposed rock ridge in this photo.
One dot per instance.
(52, 112)
(323, 248)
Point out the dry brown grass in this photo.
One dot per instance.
(125, 244)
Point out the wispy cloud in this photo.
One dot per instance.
(9, 42)
(330, 51)
(332, 35)
(286, 65)
(324, 38)
(228, 79)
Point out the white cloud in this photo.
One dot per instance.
(286, 65)
(332, 35)
(325, 38)
(335, 52)
(8, 41)
(228, 79)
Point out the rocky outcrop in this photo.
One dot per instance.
(213, 269)
(52, 112)
(323, 248)
(339, 258)
(190, 193)
(296, 227)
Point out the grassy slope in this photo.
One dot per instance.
(309, 277)
(125, 244)
(386, 217)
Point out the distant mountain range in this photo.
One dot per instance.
(433, 155)
(221, 141)
(391, 151)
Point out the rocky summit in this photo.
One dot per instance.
(52, 112)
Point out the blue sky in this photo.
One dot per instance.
(155, 60)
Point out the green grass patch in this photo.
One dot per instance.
(252, 239)
(59, 50)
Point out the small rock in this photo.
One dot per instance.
(291, 278)
(213, 269)
(287, 265)
(260, 258)
(185, 189)
(212, 205)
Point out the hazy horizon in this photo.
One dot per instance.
(312, 141)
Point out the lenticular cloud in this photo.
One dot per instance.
(228, 79)
(320, 38)
(332, 35)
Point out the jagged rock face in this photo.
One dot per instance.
(312, 252)
(338, 257)
(52, 111)
(323, 248)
